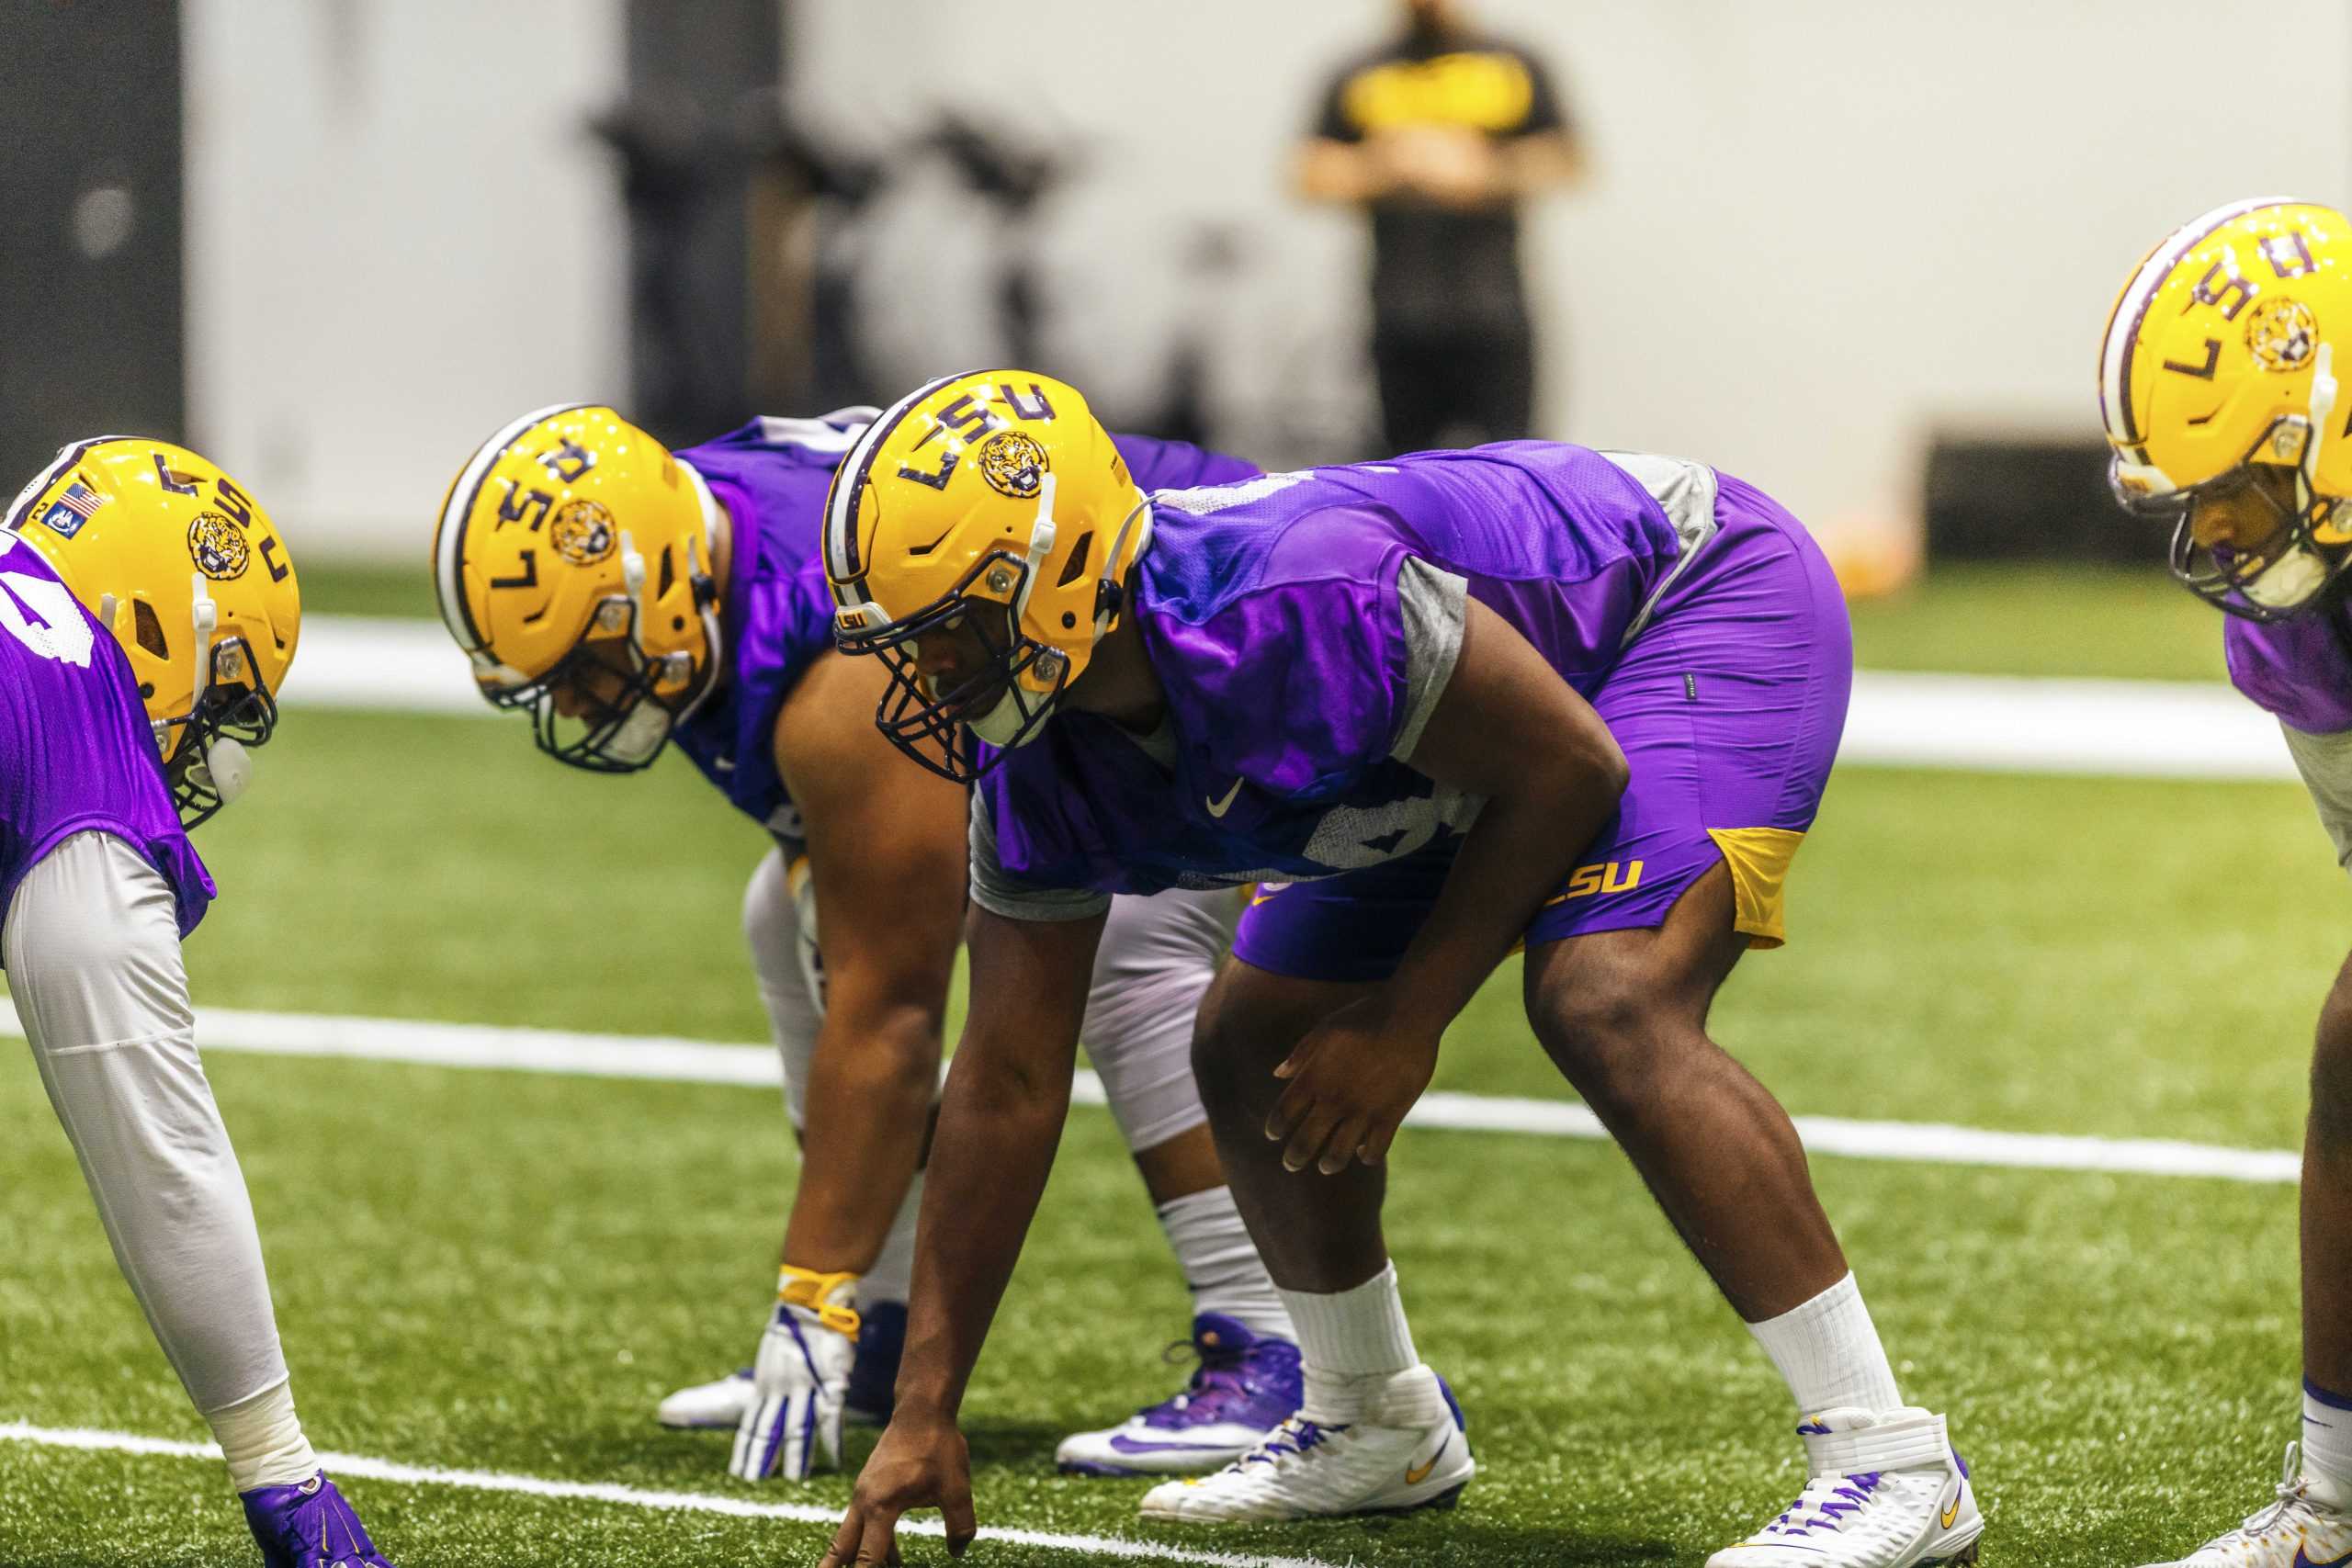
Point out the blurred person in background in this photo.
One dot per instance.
(627, 597)
(2219, 393)
(150, 615)
(1439, 135)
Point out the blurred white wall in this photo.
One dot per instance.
(1815, 228)
(398, 236)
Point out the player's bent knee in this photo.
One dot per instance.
(1600, 1026)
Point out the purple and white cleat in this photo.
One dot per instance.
(308, 1526)
(1886, 1491)
(1244, 1387)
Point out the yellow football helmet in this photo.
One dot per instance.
(575, 563)
(2217, 383)
(993, 495)
(189, 574)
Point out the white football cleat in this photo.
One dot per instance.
(709, 1406)
(1886, 1491)
(1408, 1449)
(2306, 1526)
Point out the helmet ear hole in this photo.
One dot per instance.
(1076, 568)
(149, 630)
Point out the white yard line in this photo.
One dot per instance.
(670, 1060)
(2127, 728)
(362, 1467)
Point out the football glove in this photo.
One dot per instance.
(798, 1379)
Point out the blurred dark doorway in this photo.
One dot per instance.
(90, 267)
(693, 66)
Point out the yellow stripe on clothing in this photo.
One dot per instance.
(1759, 858)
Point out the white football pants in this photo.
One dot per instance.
(1156, 960)
(93, 954)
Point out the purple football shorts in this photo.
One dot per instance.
(1728, 707)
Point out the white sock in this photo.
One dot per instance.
(2327, 1437)
(262, 1439)
(892, 1276)
(1352, 1344)
(1221, 1263)
(1828, 1352)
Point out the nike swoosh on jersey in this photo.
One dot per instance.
(1219, 808)
(1416, 1473)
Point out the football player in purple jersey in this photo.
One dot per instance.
(2218, 389)
(148, 614)
(1434, 707)
(627, 597)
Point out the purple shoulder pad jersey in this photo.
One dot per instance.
(1695, 614)
(772, 476)
(76, 754)
(2300, 671)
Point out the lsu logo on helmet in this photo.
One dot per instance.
(2218, 391)
(121, 520)
(574, 564)
(989, 504)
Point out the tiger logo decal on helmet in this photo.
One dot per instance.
(991, 503)
(575, 563)
(2218, 391)
(122, 520)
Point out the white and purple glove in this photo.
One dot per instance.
(798, 1379)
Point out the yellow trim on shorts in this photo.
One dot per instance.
(1759, 858)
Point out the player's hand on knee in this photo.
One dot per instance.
(800, 1378)
(921, 1462)
(1352, 1081)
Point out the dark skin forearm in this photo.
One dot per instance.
(868, 1111)
(1000, 1123)
(998, 1133)
(1007, 1095)
(1509, 728)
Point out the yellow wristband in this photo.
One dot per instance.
(817, 1292)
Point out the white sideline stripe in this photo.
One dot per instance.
(668, 1060)
(361, 1466)
(2127, 729)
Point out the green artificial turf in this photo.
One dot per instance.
(2040, 618)
(2012, 618)
(504, 1271)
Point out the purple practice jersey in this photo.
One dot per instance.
(76, 754)
(1276, 615)
(2298, 669)
(772, 476)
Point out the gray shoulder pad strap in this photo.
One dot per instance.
(1685, 491)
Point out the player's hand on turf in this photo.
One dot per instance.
(921, 1462)
(1352, 1081)
(798, 1379)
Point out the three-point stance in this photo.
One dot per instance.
(1452, 702)
(2218, 385)
(148, 614)
(625, 597)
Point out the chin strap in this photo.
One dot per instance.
(1110, 593)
